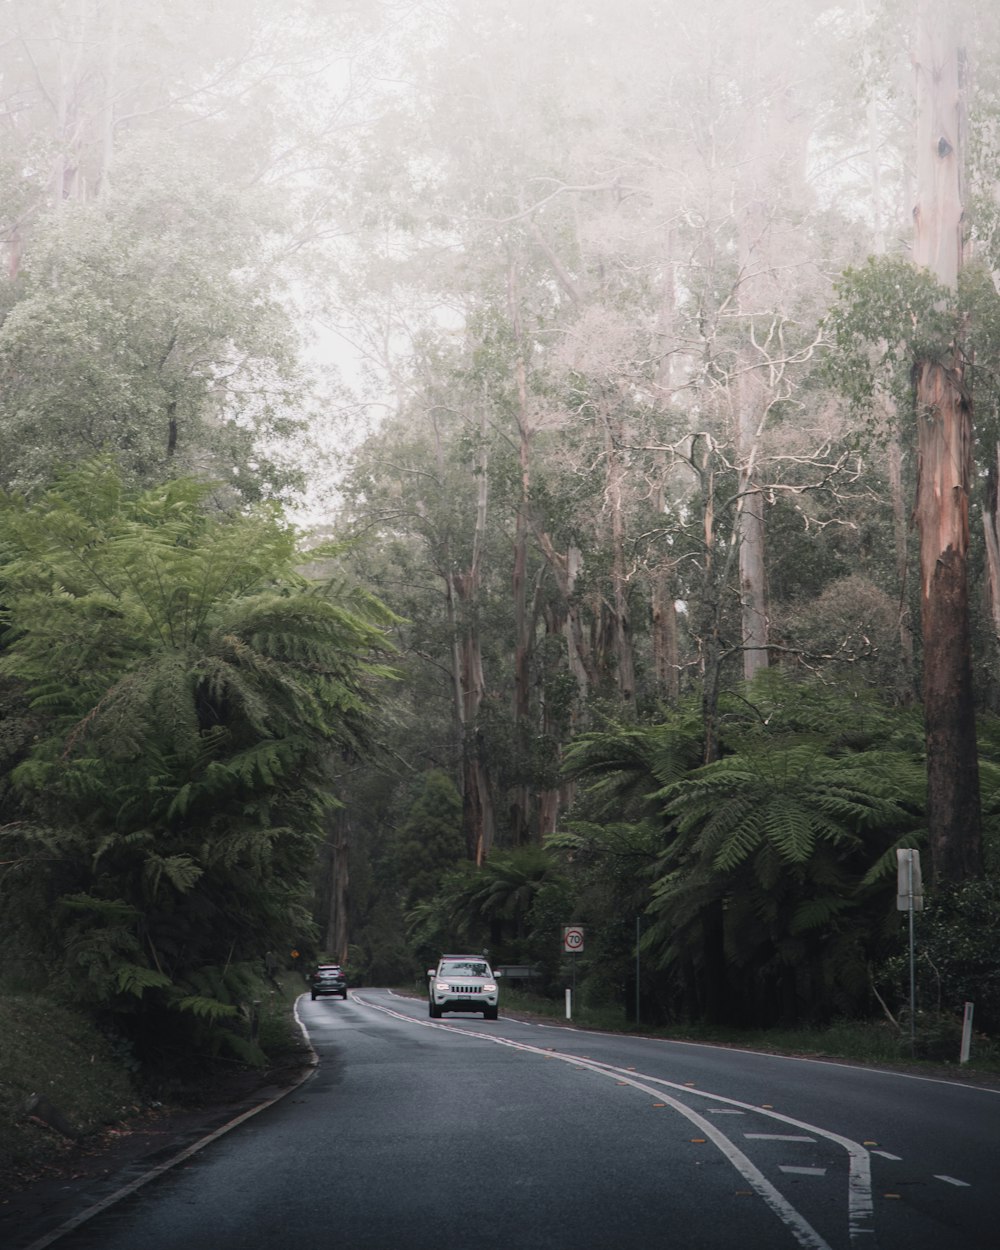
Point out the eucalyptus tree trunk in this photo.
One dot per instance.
(614, 475)
(755, 298)
(476, 791)
(462, 597)
(944, 448)
(523, 617)
(708, 625)
(991, 528)
(110, 94)
(750, 525)
(666, 660)
(336, 932)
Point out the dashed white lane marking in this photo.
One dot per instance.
(886, 1155)
(860, 1207)
(725, 1111)
(951, 1180)
(777, 1137)
(860, 1204)
(801, 1171)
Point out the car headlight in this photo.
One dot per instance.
(441, 987)
(489, 989)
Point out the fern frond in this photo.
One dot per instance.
(206, 1008)
(180, 870)
(134, 979)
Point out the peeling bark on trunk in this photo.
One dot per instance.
(908, 684)
(944, 442)
(991, 528)
(942, 517)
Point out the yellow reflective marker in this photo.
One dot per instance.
(659, 1104)
(891, 1195)
(869, 1143)
(697, 1141)
(690, 1084)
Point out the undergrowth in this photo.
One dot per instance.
(90, 1081)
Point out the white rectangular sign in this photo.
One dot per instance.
(909, 890)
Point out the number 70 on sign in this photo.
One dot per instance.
(572, 939)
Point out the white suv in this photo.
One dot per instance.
(463, 983)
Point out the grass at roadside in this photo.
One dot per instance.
(86, 1081)
(51, 1052)
(872, 1042)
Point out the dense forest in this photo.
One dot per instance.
(468, 468)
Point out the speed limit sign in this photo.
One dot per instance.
(572, 939)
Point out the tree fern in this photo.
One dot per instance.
(189, 685)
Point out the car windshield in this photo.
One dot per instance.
(466, 969)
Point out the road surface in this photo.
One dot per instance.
(461, 1132)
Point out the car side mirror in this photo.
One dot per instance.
(431, 971)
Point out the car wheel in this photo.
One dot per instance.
(343, 995)
(490, 1013)
(314, 995)
(435, 1012)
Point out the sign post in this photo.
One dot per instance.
(572, 945)
(638, 969)
(966, 1033)
(910, 898)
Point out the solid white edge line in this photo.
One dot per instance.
(88, 1214)
(797, 1225)
(860, 1202)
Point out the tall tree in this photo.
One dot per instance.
(944, 448)
(191, 692)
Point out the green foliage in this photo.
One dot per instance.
(139, 326)
(191, 690)
(53, 1048)
(783, 848)
(957, 957)
(493, 907)
(890, 314)
(431, 840)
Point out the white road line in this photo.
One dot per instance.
(886, 1155)
(950, 1180)
(799, 1171)
(860, 1204)
(797, 1225)
(778, 1137)
(127, 1190)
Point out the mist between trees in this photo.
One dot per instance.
(636, 367)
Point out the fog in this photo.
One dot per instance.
(241, 224)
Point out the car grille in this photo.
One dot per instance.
(465, 989)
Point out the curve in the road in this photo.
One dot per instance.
(861, 1207)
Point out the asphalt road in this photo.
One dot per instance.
(415, 1134)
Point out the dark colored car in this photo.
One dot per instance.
(328, 979)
